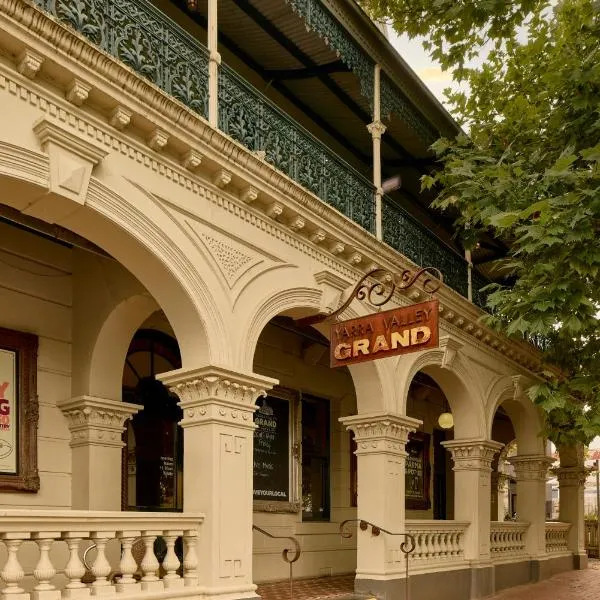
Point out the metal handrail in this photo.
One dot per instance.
(406, 547)
(285, 553)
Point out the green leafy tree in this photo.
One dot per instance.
(528, 172)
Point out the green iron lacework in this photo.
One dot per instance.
(409, 237)
(254, 121)
(478, 282)
(318, 19)
(394, 101)
(144, 39)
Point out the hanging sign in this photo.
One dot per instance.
(398, 331)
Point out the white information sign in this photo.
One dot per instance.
(8, 412)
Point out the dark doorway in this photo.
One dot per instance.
(439, 475)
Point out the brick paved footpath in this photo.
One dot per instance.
(573, 585)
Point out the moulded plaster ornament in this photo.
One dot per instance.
(531, 467)
(221, 178)
(275, 210)
(158, 139)
(78, 92)
(473, 455)
(336, 248)
(297, 223)
(191, 160)
(572, 476)
(451, 348)
(376, 129)
(355, 259)
(317, 236)
(120, 117)
(72, 159)
(29, 63)
(249, 194)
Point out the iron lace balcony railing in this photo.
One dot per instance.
(409, 237)
(146, 40)
(254, 121)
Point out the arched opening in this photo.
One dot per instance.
(429, 474)
(304, 466)
(153, 453)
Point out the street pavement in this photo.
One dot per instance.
(574, 585)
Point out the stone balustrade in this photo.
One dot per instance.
(507, 539)
(77, 554)
(557, 537)
(436, 542)
(591, 537)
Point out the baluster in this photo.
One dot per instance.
(171, 562)
(75, 568)
(12, 573)
(190, 559)
(435, 539)
(44, 570)
(101, 567)
(150, 564)
(452, 545)
(127, 565)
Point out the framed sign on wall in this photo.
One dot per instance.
(19, 412)
(418, 471)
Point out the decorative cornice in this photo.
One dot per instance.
(96, 421)
(473, 455)
(377, 433)
(216, 394)
(531, 467)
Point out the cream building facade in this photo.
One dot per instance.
(159, 259)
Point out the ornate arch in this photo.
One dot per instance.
(462, 390)
(119, 218)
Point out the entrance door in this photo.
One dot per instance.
(153, 456)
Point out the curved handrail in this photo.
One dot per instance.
(285, 554)
(407, 546)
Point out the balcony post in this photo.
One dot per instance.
(96, 426)
(472, 500)
(377, 129)
(469, 260)
(218, 406)
(572, 475)
(531, 472)
(381, 456)
(214, 60)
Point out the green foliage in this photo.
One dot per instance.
(529, 173)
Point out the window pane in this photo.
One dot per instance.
(315, 459)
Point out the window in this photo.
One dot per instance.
(153, 457)
(315, 459)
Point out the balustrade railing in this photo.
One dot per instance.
(591, 538)
(437, 541)
(407, 235)
(507, 539)
(125, 558)
(556, 537)
(254, 121)
(146, 40)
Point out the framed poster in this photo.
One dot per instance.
(418, 471)
(19, 412)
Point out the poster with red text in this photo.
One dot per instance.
(8, 412)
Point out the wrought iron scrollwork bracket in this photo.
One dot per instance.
(378, 293)
(286, 551)
(407, 546)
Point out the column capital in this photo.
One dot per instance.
(473, 455)
(531, 467)
(380, 432)
(572, 476)
(376, 129)
(214, 394)
(96, 421)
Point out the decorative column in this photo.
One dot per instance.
(377, 129)
(218, 406)
(531, 473)
(499, 487)
(572, 475)
(381, 456)
(214, 61)
(472, 498)
(96, 427)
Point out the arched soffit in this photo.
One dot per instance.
(109, 352)
(462, 391)
(526, 418)
(369, 379)
(130, 226)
